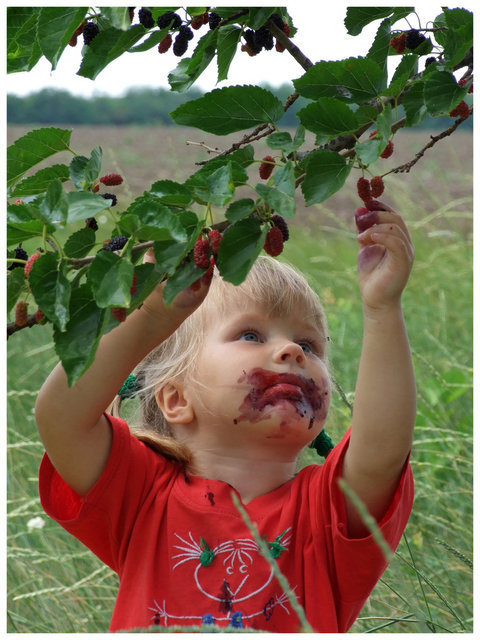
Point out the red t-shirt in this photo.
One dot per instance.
(184, 555)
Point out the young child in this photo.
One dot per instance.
(233, 385)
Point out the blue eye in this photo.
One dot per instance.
(250, 336)
(307, 348)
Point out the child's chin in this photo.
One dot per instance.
(287, 420)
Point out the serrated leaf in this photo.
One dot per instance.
(85, 204)
(369, 150)
(15, 285)
(224, 111)
(54, 205)
(358, 17)
(407, 67)
(118, 17)
(413, 102)
(381, 46)
(51, 288)
(257, 16)
(227, 43)
(189, 69)
(220, 187)
(76, 347)
(24, 222)
(108, 45)
(38, 183)
(110, 277)
(239, 209)
(157, 222)
(171, 193)
(169, 254)
(241, 245)
(329, 117)
(442, 93)
(77, 171)
(459, 37)
(80, 243)
(56, 26)
(32, 148)
(326, 172)
(350, 80)
(281, 197)
(23, 51)
(183, 277)
(153, 40)
(94, 165)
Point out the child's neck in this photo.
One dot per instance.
(250, 476)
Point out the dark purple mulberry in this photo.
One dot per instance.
(146, 18)
(19, 254)
(214, 20)
(116, 244)
(180, 45)
(110, 196)
(414, 39)
(90, 31)
(281, 223)
(169, 19)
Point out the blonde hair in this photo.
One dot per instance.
(276, 286)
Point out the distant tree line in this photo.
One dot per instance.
(138, 106)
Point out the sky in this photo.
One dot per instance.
(321, 36)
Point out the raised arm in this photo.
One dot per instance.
(385, 394)
(70, 420)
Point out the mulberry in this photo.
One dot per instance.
(249, 36)
(215, 238)
(21, 314)
(277, 20)
(214, 20)
(30, 262)
(462, 109)
(91, 223)
(180, 45)
(169, 19)
(185, 32)
(398, 42)
(19, 254)
(413, 39)
(119, 313)
(263, 38)
(387, 152)
(281, 223)
(279, 47)
(430, 61)
(40, 317)
(146, 18)
(115, 244)
(206, 279)
(111, 179)
(165, 44)
(133, 288)
(274, 242)
(376, 186)
(266, 167)
(198, 22)
(201, 253)
(90, 31)
(363, 188)
(110, 196)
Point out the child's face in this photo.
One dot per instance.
(262, 379)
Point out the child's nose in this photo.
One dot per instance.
(290, 352)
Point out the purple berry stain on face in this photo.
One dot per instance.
(269, 388)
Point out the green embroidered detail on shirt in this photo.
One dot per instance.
(275, 547)
(207, 555)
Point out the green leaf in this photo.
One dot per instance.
(384, 123)
(227, 43)
(381, 46)
(94, 165)
(224, 111)
(24, 222)
(169, 254)
(76, 347)
(459, 37)
(23, 51)
(85, 204)
(413, 102)
(369, 150)
(108, 45)
(118, 17)
(442, 93)
(329, 117)
(32, 148)
(407, 67)
(258, 16)
(202, 185)
(153, 40)
(350, 80)
(239, 209)
(241, 244)
(80, 243)
(189, 69)
(358, 17)
(220, 187)
(170, 193)
(156, 221)
(183, 277)
(326, 172)
(110, 277)
(54, 205)
(281, 197)
(15, 285)
(77, 169)
(51, 288)
(56, 26)
(38, 183)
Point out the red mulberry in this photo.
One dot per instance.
(40, 317)
(30, 262)
(133, 288)
(21, 314)
(462, 109)
(119, 313)
(274, 242)
(363, 188)
(266, 167)
(165, 44)
(111, 179)
(376, 186)
(201, 253)
(387, 152)
(398, 42)
(215, 238)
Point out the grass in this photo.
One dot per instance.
(55, 585)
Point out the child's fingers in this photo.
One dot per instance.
(377, 212)
(390, 236)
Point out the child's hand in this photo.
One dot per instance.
(385, 257)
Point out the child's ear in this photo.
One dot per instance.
(174, 404)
